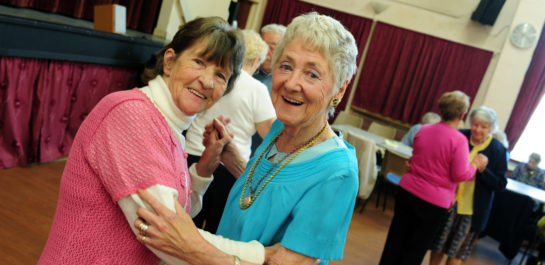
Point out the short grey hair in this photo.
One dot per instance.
(329, 37)
(431, 117)
(274, 28)
(485, 114)
(536, 157)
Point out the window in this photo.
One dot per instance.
(533, 138)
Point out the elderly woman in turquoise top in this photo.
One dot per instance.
(297, 192)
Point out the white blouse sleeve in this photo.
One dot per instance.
(199, 185)
(252, 251)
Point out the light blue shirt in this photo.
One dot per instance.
(409, 136)
(307, 206)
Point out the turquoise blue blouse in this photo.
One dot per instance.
(306, 207)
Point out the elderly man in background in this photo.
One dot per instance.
(530, 173)
(271, 34)
(250, 109)
(428, 118)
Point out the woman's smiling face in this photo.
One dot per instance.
(480, 130)
(194, 83)
(303, 85)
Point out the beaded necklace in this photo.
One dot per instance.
(247, 201)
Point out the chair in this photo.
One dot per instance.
(367, 169)
(382, 130)
(392, 168)
(345, 117)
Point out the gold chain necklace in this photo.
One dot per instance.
(245, 202)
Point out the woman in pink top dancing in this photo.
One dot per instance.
(132, 140)
(440, 160)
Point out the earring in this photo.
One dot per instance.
(334, 102)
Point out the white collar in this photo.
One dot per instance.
(159, 93)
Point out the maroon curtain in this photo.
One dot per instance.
(530, 94)
(283, 11)
(405, 72)
(18, 78)
(141, 14)
(44, 103)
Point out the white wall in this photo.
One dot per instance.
(170, 18)
(199, 8)
(174, 13)
(512, 64)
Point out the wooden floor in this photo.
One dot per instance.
(29, 196)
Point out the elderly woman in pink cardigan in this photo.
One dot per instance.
(439, 162)
(133, 140)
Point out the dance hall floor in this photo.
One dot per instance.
(29, 196)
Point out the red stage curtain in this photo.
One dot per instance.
(283, 11)
(530, 94)
(44, 103)
(405, 72)
(141, 14)
(18, 79)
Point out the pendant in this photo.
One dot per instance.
(247, 201)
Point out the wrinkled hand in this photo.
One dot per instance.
(480, 162)
(215, 137)
(170, 232)
(212, 126)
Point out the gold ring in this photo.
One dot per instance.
(143, 238)
(143, 228)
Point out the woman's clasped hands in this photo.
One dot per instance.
(480, 162)
(215, 137)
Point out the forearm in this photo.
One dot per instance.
(129, 205)
(251, 252)
(233, 161)
(462, 168)
(494, 174)
(214, 250)
(494, 180)
(207, 254)
(199, 185)
(284, 256)
(236, 166)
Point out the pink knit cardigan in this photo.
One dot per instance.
(124, 145)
